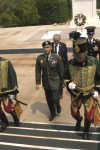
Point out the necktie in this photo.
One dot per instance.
(90, 42)
(47, 58)
(55, 49)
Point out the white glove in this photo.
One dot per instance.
(12, 96)
(95, 95)
(71, 85)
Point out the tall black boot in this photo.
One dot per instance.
(4, 121)
(87, 124)
(78, 123)
(16, 120)
(58, 107)
(4, 118)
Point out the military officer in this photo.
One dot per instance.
(52, 76)
(82, 76)
(93, 44)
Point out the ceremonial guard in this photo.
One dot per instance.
(52, 76)
(8, 91)
(82, 77)
(60, 49)
(93, 44)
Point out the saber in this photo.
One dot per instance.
(20, 102)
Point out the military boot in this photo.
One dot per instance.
(2, 126)
(87, 124)
(16, 120)
(58, 107)
(78, 123)
(4, 121)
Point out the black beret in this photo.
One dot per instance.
(46, 43)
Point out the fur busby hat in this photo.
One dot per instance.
(79, 43)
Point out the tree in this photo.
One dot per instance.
(18, 13)
(28, 13)
(52, 11)
(98, 4)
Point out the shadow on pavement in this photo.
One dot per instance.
(41, 107)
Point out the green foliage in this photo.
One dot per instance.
(98, 15)
(70, 9)
(18, 13)
(54, 11)
(15, 13)
(98, 4)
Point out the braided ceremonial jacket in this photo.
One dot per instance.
(8, 79)
(86, 77)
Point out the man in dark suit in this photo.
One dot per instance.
(60, 49)
(93, 44)
(52, 76)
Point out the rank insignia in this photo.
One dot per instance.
(41, 61)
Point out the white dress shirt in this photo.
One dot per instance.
(57, 48)
(90, 41)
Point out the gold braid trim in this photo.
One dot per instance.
(7, 91)
(66, 81)
(81, 42)
(85, 89)
(77, 94)
(3, 74)
(97, 85)
(76, 48)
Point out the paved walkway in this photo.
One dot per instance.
(30, 37)
(24, 64)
